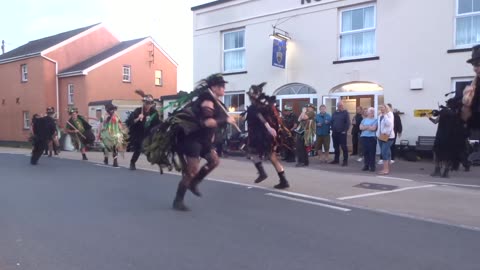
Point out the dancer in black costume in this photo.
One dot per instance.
(264, 123)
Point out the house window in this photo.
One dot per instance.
(70, 93)
(126, 74)
(26, 120)
(235, 102)
(467, 23)
(24, 71)
(459, 84)
(357, 32)
(158, 78)
(234, 51)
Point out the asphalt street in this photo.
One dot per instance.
(68, 214)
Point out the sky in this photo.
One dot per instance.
(169, 22)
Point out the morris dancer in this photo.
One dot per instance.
(80, 131)
(264, 122)
(139, 123)
(113, 135)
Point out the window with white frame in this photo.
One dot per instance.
(70, 94)
(126, 74)
(26, 120)
(158, 78)
(234, 51)
(235, 102)
(459, 84)
(357, 32)
(24, 72)
(467, 32)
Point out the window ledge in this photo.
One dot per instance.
(356, 60)
(234, 73)
(459, 50)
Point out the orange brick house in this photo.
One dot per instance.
(76, 68)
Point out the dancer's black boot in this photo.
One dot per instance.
(262, 175)
(283, 181)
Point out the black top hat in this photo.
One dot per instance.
(475, 55)
(215, 79)
(50, 110)
(110, 107)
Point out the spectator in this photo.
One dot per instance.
(360, 145)
(322, 121)
(385, 136)
(340, 126)
(356, 120)
(397, 124)
(304, 132)
(368, 126)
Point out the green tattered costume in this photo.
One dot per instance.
(161, 146)
(86, 138)
(113, 134)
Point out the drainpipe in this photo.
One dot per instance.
(56, 85)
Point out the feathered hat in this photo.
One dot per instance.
(256, 91)
(215, 79)
(146, 98)
(50, 110)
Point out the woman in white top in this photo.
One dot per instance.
(385, 136)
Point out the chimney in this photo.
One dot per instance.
(3, 46)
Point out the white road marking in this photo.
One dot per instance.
(304, 196)
(106, 166)
(452, 184)
(396, 178)
(308, 202)
(382, 192)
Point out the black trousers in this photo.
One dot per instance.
(302, 155)
(340, 141)
(355, 139)
(38, 147)
(393, 148)
(369, 150)
(137, 150)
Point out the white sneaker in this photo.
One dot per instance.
(360, 159)
(392, 161)
(380, 162)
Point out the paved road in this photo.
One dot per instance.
(66, 214)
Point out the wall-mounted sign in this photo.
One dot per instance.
(422, 113)
(279, 54)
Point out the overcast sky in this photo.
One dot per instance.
(169, 22)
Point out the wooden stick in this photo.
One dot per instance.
(223, 108)
(76, 130)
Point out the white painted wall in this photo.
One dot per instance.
(412, 42)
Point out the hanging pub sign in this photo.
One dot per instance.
(279, 53)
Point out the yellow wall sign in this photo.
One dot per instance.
(422, 113)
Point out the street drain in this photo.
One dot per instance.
(376, 186)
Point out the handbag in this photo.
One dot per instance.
(383, 137)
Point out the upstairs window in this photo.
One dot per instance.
(70, 94)
(467, 23)
(158, 78)
(234, 51)
(126, 74)
(357, 32)
(26, 120)
(24, 72)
